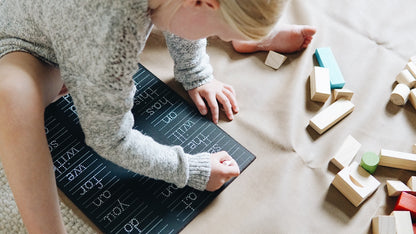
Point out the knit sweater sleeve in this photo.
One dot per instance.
(191, 62)
(97, 61)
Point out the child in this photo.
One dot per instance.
(92, 47)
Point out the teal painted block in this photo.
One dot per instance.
(326, 59)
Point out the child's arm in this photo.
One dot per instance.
(97, 62)
(215, 92)
(193, 70)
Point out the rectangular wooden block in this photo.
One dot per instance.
(346, 152)
(407, 202)
(403, 222)
(342, 93)
(395, 187)
(320, 85)
(275, 60)
(326, 59)
(384, 224)
(406, 161)
(355, 183)
(331, 115)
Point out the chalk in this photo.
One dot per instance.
(227, 162)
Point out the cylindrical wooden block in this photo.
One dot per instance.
(400, 94)
(412, 97)
(411, 66)
(405, 77)
(370, 161)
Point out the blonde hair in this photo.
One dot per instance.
(254, 19)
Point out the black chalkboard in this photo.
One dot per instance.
(117, 200)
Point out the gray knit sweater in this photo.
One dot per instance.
(96, 44)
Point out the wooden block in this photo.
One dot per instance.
(275, 60)
(412, 98)
(400, 94)
(369, 161)
(397, 159)
(346, 153)
(405, 77)
(412, 68)
(395, 187)
(384, 224)
(331, 115)
(403, 222)
(414, 149)
(355, 183)
(342, 93)
(411, 183)
(320, 85)
(407, 202)
(326, 59)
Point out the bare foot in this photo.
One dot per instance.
(284, 39)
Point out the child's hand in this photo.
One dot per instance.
(223, 168)
(213, 93)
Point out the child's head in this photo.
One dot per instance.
(254, 19)
(228, 19)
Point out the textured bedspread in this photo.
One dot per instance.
(288, 187)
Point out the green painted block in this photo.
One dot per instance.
(370, 161)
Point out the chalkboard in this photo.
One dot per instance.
(117, 200)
